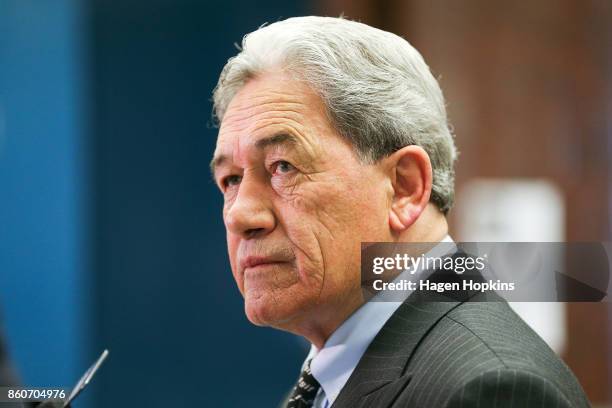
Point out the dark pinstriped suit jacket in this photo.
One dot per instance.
(436, 353)
(459, 354)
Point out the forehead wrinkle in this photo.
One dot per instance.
(251, 127)
(255, 109)
(241, 114)
(272, 92)
(262, 98)
(290, 120)
(239, 122)
(267, 99)
(303, 144)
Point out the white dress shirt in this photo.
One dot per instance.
(334, 363)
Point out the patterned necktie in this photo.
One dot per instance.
(305, 390)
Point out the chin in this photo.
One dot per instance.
(274, 311)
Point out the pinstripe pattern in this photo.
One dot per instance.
(459, 354)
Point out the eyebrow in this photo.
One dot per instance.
(278, 139)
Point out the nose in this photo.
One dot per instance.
(249, 214)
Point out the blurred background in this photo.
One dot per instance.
(110, 226)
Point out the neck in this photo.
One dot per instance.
(329, 316)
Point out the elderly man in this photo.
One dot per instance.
(333, 133)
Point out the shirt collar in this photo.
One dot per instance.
(333, 364)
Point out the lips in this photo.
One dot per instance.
(253, 261)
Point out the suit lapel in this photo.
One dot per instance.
(380, 374)
(382, 365)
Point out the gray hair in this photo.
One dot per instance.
(378, 91)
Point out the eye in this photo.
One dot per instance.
(230, 181)
(282, 167)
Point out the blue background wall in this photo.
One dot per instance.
(168, 307)
(44, 282)
(110, 228)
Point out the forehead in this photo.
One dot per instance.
(271, 103)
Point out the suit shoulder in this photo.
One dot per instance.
(507, 337)
(509, 388)
(477, 338)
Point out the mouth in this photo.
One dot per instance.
(258, 262)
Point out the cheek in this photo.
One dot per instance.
(350, 214)
(232, 249)
(300, 229)
(318, 225)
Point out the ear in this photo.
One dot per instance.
(412, 178)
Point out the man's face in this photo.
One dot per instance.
(297, 204)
